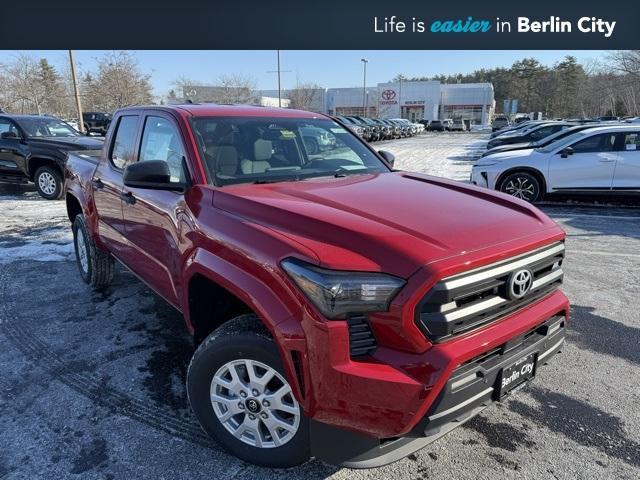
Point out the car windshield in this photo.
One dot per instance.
(46, 127)
(266, 150)
(563, 142)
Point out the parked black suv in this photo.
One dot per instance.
(96, 122)
(34, 148)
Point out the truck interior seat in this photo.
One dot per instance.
(262, 151)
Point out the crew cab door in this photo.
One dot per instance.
(13, 153)
(153, 217)
(627, 172)
(107, 183)
(589, 167)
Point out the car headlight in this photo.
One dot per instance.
(336, 293)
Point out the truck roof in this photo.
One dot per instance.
(219, 110)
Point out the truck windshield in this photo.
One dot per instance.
(46, 127)
(265, 150)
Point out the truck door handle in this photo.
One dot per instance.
(128, 197)
(97, 184)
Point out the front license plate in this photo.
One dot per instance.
(516, 374)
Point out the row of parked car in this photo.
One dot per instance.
(375, 129)
(446, 125)
(534, 159)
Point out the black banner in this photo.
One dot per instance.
(328, 24)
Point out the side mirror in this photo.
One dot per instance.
(8, 135)
(564, 153)
(152, 175)
(388, 156)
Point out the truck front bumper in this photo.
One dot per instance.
(464, 388)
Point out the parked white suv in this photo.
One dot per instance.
(599, 160)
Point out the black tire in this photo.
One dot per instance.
(312, 145)
(99, 267)
(244, 337)
(523, 185)
(48, 180)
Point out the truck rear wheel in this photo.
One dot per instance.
(238, 390)
(96, 267)
(48, 182)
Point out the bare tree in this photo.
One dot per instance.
(118, 82)
(235, 88)
(626, 61)
(24, 90)
(305, 96)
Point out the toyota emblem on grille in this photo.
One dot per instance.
(519, 284)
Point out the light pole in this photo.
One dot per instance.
(364, 85)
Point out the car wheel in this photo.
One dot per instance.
(48, 182)
(96, 266)
(523, 185)
(312, 145)
(240, 395)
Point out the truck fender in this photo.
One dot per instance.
(277, 317)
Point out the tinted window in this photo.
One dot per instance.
(631, 142)
(123, 144)
(7, 126)
(161, 141)
(596, 143)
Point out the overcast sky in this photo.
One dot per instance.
(327, 68)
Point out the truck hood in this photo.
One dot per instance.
(394, 222)
(69, 143)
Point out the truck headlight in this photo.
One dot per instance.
(336, 293)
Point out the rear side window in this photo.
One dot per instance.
(596, 143)
(631, 142)
(122, 151)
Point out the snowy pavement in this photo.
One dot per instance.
(92, 384)
(442, 154)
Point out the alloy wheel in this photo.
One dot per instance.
(255, 403)
(521, 187)
(47, 183)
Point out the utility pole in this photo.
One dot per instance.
(279, 71)
(279, 88)
(400, 78)
(364, 86)
(76, 92)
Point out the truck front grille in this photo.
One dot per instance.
(466, 301)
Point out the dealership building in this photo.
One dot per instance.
(415, 101)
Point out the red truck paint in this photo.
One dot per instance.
(413, 226)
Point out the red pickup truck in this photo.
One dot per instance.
(341, 309)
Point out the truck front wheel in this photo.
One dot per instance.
(522, 185)
(96, 267)
(48, 182)
(238, 391)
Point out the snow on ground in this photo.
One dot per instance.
(443, 154)
(32, 228)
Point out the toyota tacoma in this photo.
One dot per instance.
(341, 309)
